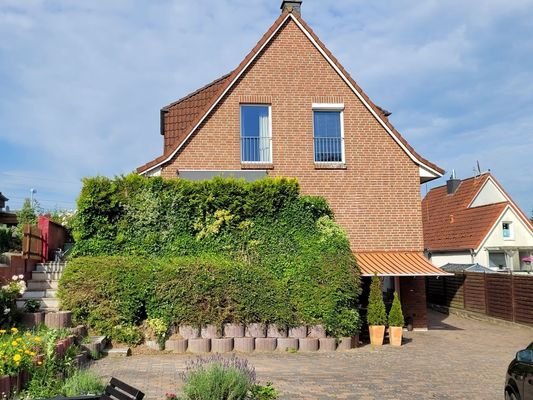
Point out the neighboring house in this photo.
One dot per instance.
(475, 221)
(6, 218)
(290, 109)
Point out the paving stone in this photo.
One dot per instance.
(456, 359)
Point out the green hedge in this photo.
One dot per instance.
(226, 249)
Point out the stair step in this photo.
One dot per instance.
(42, 285)
(50, 267)
(32, 294)
(45, 276)
(45, 303)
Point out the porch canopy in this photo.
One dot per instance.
(396, 264)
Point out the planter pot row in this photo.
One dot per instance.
(13, 384)
(249, 344)
(377, 335)
(255, 330)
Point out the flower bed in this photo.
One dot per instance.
(35, 359)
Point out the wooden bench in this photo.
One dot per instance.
(118, 390)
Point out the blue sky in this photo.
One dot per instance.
(82, 82)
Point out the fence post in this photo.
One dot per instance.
(485, 286)
(464, 289)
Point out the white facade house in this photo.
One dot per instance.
(474, 221)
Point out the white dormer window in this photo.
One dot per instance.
(507, 230)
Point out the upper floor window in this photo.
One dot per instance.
(256, 133)
(507, 230)
(328, 133)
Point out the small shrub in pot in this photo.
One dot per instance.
(376, 314)
(396, 322)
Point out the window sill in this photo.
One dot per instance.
(256, 165)
(329, 165)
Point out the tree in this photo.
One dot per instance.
(377, 314)
(26, 215)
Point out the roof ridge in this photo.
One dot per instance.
(486, 173)
(188, 96)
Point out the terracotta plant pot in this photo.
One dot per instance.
(377, 333)
(395, 335)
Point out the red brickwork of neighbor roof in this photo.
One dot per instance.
(184, 115)
(448, 222)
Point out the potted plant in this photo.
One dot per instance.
(32, 316)
(376, 314)
(396, 322)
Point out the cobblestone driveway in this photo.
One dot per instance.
(456, 359)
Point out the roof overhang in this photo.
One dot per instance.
(396, 264)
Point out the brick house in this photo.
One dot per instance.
(474, 221)
(290, 109)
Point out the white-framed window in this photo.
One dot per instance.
(256, 133)
(507, 230)
(328, 133)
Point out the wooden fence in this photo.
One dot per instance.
(505, 296)
(32, 243)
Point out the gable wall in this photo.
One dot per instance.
(376, 198)
(490, 194)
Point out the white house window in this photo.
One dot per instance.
(507, 230)
(256, 133)
(328, 133)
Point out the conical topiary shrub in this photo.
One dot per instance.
(376, 314)
(396, 322)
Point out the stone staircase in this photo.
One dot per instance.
(43, 286)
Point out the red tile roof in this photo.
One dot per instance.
(448, 222)
(195, 106)
(396, 264)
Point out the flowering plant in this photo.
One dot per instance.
(159, 329)
(17, 350)
(8, 296)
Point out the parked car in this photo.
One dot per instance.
(519, 378)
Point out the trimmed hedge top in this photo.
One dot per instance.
(235, 250)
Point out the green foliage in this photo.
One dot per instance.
(9, 240)
(32, 305)
(129, 334)
(264, 392)
(82, 382)
(26, 215)
(216, 378)
(395, 313)
(377, 315)
(215, 251)
(105, 291)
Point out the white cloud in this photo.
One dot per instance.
(84, 80)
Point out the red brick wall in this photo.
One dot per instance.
(413, 298)
(376, 198)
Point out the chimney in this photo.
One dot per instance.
(293, 6)
(453, 183)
